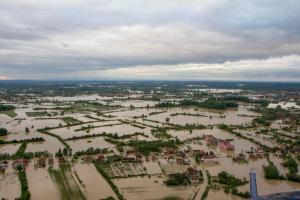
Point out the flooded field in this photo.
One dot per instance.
(9, 185)
(41, 184)
(117, 137)
(151, 188)
(94, 184)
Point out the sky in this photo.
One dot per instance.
(257, 40)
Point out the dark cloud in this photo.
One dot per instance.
(46, 39)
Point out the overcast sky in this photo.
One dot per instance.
(150, 39)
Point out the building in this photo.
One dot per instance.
(211, 140)
(130, 157)
(193, 175)
(226, 145)
(209, 159)
(21, 162)
(186, 161)
(240, 158)
(3, 165)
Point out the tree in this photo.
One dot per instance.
(271, 172)
(3, 132)
(167, 119)
(59, 153)
(65, 151)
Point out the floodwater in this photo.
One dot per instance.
(95, 186)
(83, 144)
(219, 194)
(135, 103)
(284, 105)
(9, 148)
(138, 188)
(40, 184)
(10, 187)
(210, 117)
(242, 170)
(120, 129)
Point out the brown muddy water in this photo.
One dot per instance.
(95, 186)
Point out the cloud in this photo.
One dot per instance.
(71, 38)
(284, 68)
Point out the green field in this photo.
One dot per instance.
(70, 120)
(36, 114)
(9, 113)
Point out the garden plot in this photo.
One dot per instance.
(127, 169)
(67, 186)
(172, 168)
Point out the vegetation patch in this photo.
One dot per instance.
(68, 188)
(71, 120)
(3, 132)
(178, 179)
(231, 183)
(37, 114)
(8, 110)
(21, 150)
(109, 181)
(160, 133)
(271, 172)
(25, 194)
(146, 147)
(210, 104)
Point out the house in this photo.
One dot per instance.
(194, 175)
(194, 179)
(171, 159)
(20, 162)
(50, 161)
(192, 171)
(209, 158)
(130, 150)
(153, 158)
(198, 152)
(170, 151)
(100, 157)
(41, 162)
(259, 150)
(295, 150)
(3, 165)
(88, 158)
(61, 160)
(180, 153)
(186, 161)
(139, 156)
(211, 140)
(226, 145)
(130, 157)
(179, 160)
(147, 158)
(240, 158)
